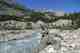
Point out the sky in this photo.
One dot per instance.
(63, 5)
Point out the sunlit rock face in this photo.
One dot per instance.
(64, 41)
(12, 25)
(38, 24)
(48, 49)
(63, 22)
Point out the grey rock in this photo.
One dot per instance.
(13, 25)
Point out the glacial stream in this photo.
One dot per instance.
(20, 46)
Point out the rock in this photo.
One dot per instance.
(48, 49)
(13, 25)
(61, 23)
(15, 35)
(70, 42)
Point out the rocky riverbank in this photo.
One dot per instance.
(63, 41)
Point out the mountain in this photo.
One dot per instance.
(6, 8)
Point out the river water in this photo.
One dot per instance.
(20, 46)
